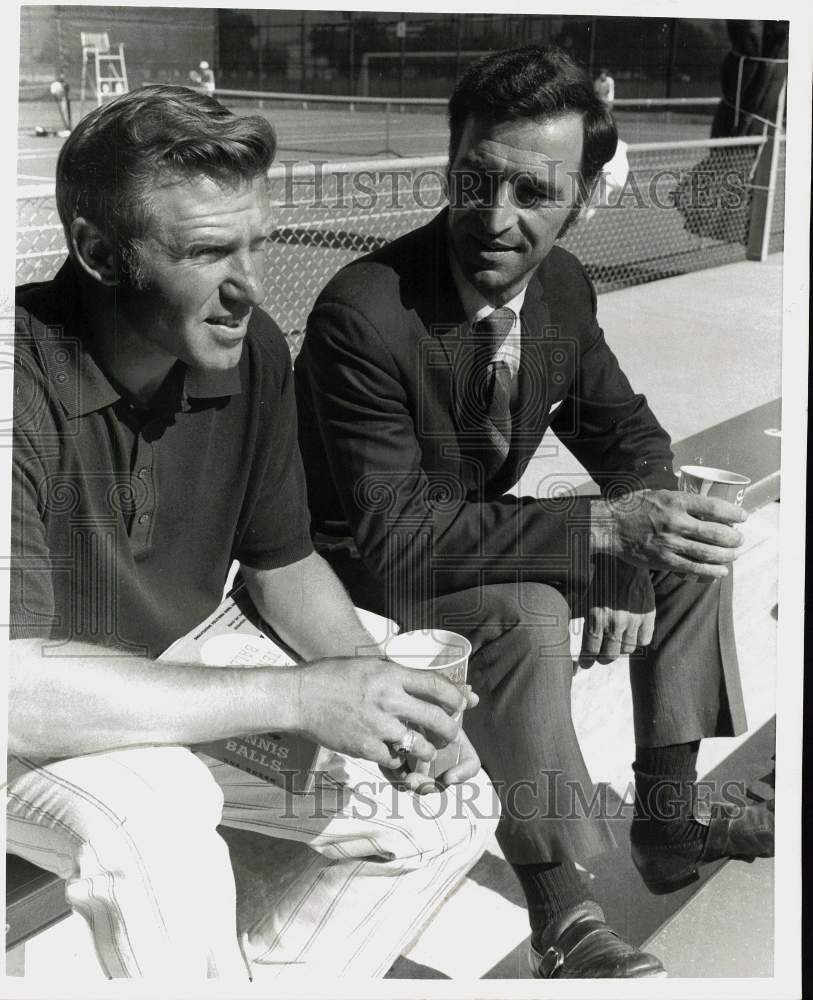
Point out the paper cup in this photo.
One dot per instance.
(440, 651)
(708, 482)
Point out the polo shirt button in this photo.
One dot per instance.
(143, 473)
(61, 377)
(144, 519)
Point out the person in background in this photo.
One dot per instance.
(610, 183)
(604, 88)
(204, 78)
(60, 90)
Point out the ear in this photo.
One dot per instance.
(586, 206)
(94, 252)
(596, 196)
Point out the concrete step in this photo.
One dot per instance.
(725, 930)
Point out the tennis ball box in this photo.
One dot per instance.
(234, 635)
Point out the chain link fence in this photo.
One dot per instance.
(684, 207)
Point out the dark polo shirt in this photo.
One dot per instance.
(125, 520)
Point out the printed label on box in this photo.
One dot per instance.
(234, 636)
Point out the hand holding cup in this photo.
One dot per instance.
(706, 481)
(445, 653)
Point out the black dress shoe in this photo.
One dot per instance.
(580, 945)
(731, 832)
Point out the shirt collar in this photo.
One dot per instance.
(476, 306)
(205, 385)
(81, 385)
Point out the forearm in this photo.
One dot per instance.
(476, 543)
(309, 609)
(88, 699)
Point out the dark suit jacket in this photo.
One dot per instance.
(388, 459)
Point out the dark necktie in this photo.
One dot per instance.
(488, 392)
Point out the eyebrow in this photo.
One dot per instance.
(541, 183)
(223, 240)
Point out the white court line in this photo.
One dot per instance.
(40, 154)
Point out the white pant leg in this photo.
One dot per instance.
(386, 861)
(133, 832)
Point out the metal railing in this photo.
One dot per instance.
(685, 206)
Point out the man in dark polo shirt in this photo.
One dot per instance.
(155, 444)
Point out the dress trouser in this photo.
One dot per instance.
(133, 832)
(685, 686)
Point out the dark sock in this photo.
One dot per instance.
(677, 760)
(662, 805)
(550, 889)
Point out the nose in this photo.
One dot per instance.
(243, 281)
(498, 212)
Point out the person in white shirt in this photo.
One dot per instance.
(604, 88)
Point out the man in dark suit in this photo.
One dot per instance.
(430, 371)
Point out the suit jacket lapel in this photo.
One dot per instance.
(436, 300)
(441, 310)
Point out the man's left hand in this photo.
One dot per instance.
(467, 766)
(610, 633)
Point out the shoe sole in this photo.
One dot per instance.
(665, 886)
(663, 974)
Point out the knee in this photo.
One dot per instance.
(541, 605)
(531, 617)
(181, 793)
(455, 823)
(158, 793)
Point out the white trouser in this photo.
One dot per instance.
(133, 833)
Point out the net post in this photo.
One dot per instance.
(764, 187)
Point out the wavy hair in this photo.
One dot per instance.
(115, 154)
(533, 82)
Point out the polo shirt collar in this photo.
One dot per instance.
(205, 385)
(90, 389)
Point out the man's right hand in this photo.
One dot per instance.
(667, 530)
(361, 706)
